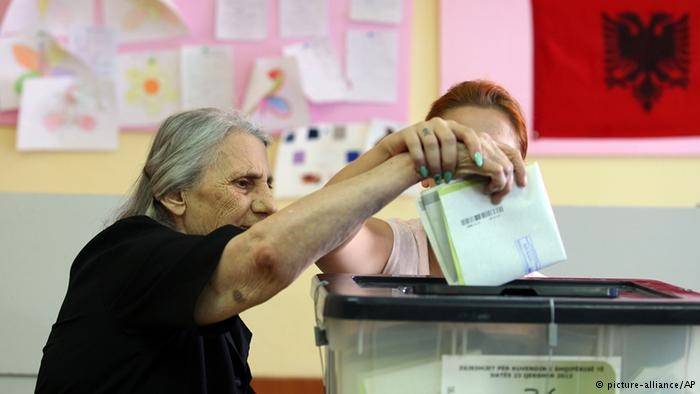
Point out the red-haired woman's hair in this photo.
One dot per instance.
(481, 93)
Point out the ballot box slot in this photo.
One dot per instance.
(518, 288)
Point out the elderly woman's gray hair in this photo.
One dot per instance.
(183, 148)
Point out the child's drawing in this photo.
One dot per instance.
(143, 20)
(63, 113)
(274, 97)
(149, 87)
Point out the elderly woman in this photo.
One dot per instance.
(153, 300)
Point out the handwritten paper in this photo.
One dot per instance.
(96, 46)
(144, 20)
(274, 98)
(308, 157)
(60, 113)
(206, 76)
(372, 65)
(53, 16)
(303, 18)
(378, 11)
(322, 79)
(241, 19)
(148, 87)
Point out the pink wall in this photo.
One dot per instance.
(199, 16)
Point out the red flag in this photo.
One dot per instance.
(622, 68)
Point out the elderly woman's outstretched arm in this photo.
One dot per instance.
(401, 247)
(265, 259)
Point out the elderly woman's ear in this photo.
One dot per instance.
(174, 202)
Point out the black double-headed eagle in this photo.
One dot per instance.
(646, 58)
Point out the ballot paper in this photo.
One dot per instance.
(478, 243)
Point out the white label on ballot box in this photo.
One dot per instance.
(529, 374)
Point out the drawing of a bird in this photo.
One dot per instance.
(646, 58)
(272, 103)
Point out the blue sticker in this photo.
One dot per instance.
(352, 155)
(528, 254)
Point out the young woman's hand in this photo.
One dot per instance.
(433, 146)
(444, 149)
(503, 165)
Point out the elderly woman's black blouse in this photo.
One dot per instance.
(126, 324)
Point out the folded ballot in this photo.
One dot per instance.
(478, 243)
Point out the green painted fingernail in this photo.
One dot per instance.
(437, 178)
(423, 170)
(448, 176)
(478, 159)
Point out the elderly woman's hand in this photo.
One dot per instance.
(447, 149)
(433, 145)
(503, 165)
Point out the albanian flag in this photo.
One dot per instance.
(617, 68)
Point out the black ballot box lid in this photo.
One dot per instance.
(534, 300)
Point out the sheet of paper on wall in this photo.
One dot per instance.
(372, 65)
(29, 56)
(303, 18)
(62, 113)
(206, 76)
(308, 157)
(322, 79)
(241, 19)
(53, 16)
(148, 87)
(144, 20)
(377, 11)
(274, 98)
(96, 46)
(492, 244)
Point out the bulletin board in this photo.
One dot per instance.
(494, 40)
(199, 17)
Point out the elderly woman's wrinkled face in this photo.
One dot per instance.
(489, 120)
(236, 189)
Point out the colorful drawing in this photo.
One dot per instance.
(309, 156)
(273, 104)
(54, 16)
(71, 110)
(144, 12)
(28, 58)
(148, 87)
(144, 20)
(274, 97)
(31, 57)
(65, 113)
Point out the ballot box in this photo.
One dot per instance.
(380, 334)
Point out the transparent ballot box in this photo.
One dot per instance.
(380, 334)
